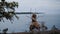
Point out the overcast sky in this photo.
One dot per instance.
(47, 6)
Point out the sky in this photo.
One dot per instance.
(47, 6)
(50, 7)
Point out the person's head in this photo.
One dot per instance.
(34, 15)
(2, 0)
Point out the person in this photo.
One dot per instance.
(35, 24)
(34, 18)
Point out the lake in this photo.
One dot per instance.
(23, 23)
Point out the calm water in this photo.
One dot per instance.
(23, 23)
